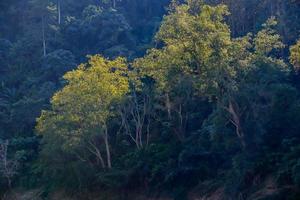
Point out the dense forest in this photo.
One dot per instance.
(150, 99)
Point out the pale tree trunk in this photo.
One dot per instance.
(8, 167)
(139, 118)
(99, 155)
(182, 122)
(168, 105)
(95, 150)
(236, 121)
(108, 155)
(59, 11)
(148, 133)
(140, 114)
(43, 35)
(126, 126)
(5, 163)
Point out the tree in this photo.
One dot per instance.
(112, 3)
(104, 31)
(81, 110)
(8, 167)
(41, 13)
(5, 46)
(58, 12)
(198, 47)
(295, 55)
(137, 111)
(57, 63)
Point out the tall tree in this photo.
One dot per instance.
(85, 106)
(198, 46)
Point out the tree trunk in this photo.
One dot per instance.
(59, 12)
(236, 122)
(43, 35)
(100, 158)
(168, 105)
(97, 153)
(8, 167)
(107, 147)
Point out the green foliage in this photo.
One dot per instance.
(295, 55)
(208, 106)
(81, 110)
(57, 63)
(296, 173)
(267, 39)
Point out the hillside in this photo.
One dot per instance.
(150, 99)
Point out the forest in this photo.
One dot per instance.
(150, 100)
